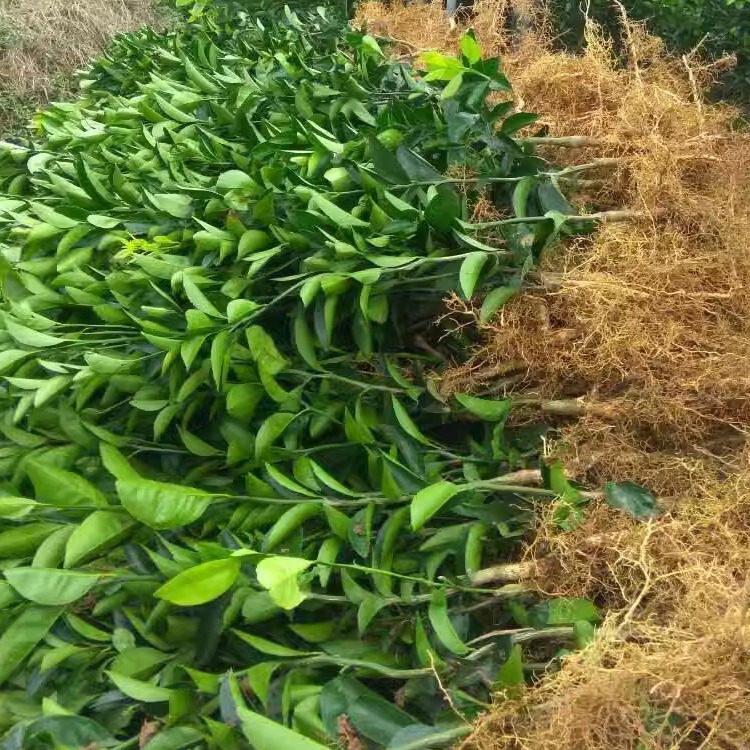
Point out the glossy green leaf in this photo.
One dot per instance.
(201, 584)
(443, 210)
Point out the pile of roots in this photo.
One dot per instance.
(639, 336)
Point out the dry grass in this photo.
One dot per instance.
(643, 329)
(42, 42)
(670, 668)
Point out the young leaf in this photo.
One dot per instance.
(427, 502)
(30, 337)
(201, 584)
(264, 351)
(198, 299)
(278, 575)
(470, 48)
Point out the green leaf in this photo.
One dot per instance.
(368, 608)
(407, 423)
(10, 357)
(317, 632)
(443, 210)
(62, 488)
(266, 734)
(115, 463)
(66, 731)
(50, 586)
(259, 678)
(453, 87)
(235, 179)
(143, 692)
(563, 611)
(242, 400)
(270, 431)
(442, 625)
(495, 300)
(174, 204)
(201, 584)
(160, 505)
(417, 168)
(264, 351)
(471, 270)
(635, 500)
(427, 502)
(514, 123)
(511, 673)
(338, 216)
(30, 337)
(96, 533)
(372, 715)
(278, 575)
(198, 299)
(220, 352)
(386, 164)
(176, 738)
(304, 341)
(195, 445)
(270, 648)
(239, 309)
(484, 408)
(470, 48)
(22, 635)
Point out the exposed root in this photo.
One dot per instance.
(641, 330)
